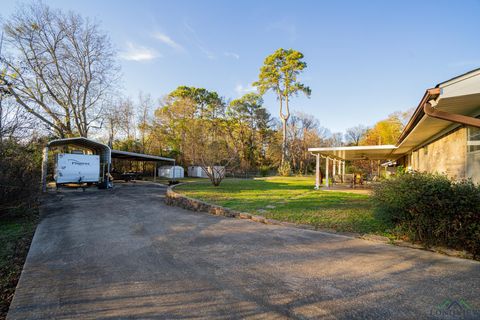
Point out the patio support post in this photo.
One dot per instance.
(326, 173)
(334, 161)
(317, 172)
(343, 171)
(44, 169)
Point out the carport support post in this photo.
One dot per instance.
(44, 169)
(317, 172)
(326, 173)
(155, 173)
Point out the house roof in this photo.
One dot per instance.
(458, 95)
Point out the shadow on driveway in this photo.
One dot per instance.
(122, 253)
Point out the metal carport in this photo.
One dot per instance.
(106, 154)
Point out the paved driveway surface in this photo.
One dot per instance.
(125, 254)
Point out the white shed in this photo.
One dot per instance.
(199, 172)
(171, 172)
(196, 172)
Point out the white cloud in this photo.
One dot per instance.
(198, 42)
(167, 40)
(135, 52)
(232, 55)
(241, 90)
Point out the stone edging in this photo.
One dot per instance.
(173, 198)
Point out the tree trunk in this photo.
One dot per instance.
(284, 141)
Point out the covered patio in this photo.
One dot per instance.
(335, 158)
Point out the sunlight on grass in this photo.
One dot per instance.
(290, 199)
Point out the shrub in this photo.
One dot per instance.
(19, 175)
(285, 170)
(432, 209)
(264, 170)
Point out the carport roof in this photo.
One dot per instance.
(138, 156)
(102, 149)
(382, 152)
(105, 152)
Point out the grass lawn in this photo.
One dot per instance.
(16, 232)
(291, 199)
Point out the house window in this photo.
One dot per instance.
(473, 141)
(473, 154)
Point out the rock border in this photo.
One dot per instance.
(176, 199)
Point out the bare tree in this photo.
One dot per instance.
(355, 134)
(144, 108)
(60, 69)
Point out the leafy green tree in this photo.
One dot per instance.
(208, 103)
(249, 124)
(279, 73)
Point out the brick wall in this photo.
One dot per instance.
(445, 155)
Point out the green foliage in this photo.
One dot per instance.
(249, 125)
(279, 73)
(19, 175)
(264, 170)
(285, 169)
(208, 103)
(431, 209)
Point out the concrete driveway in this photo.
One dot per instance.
(125, 254)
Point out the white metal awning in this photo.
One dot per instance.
(382, 152)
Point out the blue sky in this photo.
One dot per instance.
(366, 59)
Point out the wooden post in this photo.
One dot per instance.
(44, 169)
(317, 172)
(343, 171)
(327, 183)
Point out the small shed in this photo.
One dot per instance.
(196, 172)
(199, 171)
(171, 172)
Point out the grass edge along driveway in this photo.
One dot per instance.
(291, 199)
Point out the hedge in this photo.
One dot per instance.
(432, 209)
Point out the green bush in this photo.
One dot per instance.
(264, 170)
(19, 175)
(285, 169)
(432, 209)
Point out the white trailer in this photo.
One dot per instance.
(77, 168)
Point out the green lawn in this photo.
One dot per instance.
(16, 232)
(291, 199)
